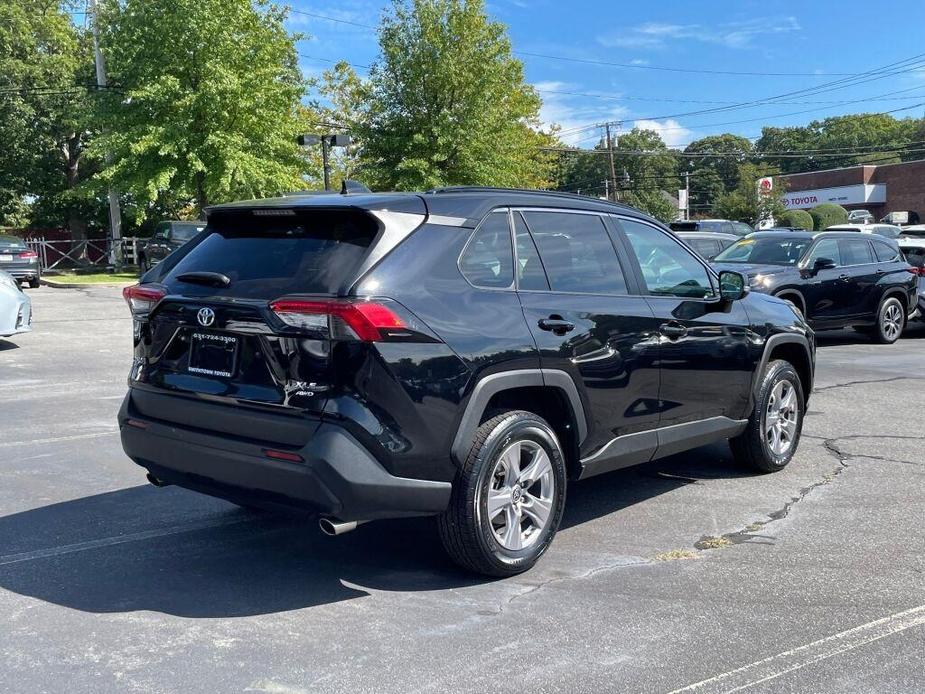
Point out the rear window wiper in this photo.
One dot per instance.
(210, 279)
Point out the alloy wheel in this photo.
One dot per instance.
(521, 494)
(781, 418)
(891, 322)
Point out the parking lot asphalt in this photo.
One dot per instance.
(685, 574)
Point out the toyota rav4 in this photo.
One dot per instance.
(464, 353)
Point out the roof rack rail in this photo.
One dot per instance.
(492, 189)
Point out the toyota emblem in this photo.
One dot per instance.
(206, 317)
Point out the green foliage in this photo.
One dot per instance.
(208, 103)
(45, 70)
(828, 214)
(800, 219)
(706, 188)
(653, 202)
(448, 103)
(746, 203)
(732, 151)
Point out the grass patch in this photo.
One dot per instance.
(96, 278)
(713, 543)
(676, 555)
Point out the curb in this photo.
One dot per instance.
(82, 285)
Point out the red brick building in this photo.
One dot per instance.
(881, 189)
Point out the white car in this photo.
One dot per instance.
(914, 250)
(15, 307)
(860, 216)
(890, 231)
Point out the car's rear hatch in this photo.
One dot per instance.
(254, 311)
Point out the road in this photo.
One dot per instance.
(681, 575)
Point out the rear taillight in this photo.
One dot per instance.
(370, 321)
(141, 298)
(920, 271)
(26, 255)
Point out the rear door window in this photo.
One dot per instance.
(855, 251)
(268, 256)
(577, 252)
(488, 260)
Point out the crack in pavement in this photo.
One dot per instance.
(861, 383)
(831, 445)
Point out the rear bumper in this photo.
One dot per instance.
(23, 272)
(338, 477)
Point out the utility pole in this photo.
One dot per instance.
(607, 188)
(613, 170)
(325, 163)
(115, 213)
(327, 141)
(687, 196)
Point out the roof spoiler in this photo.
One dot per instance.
(347, 186)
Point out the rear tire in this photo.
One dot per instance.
(508, 496)
(773, 432)
(891, 321)
(35, 284)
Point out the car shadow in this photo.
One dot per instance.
(104, 554)
(7, 345)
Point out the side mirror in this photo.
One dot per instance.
(732, 285)
(823, 264)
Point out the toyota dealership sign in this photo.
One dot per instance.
(860, 194)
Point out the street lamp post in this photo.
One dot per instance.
(327, 141)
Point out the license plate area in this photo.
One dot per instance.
(5, 258)
(213, 354)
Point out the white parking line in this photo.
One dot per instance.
(55, 439)
(118, 540)
(796, 658)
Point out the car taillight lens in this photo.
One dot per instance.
(920, 271)
(370, 321)
(26, 255)
(141, 298)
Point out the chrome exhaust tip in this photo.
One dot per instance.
(156, 482)
(333, 526)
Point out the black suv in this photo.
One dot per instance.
(168, 237)
(461, 353)
(836, 279)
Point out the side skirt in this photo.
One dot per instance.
(632, 449)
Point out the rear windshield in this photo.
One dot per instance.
(12, 244)
(313, 252)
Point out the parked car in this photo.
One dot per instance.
(835, 279)
(889, 231)
(901, 217)
(914, 231)
(167, 238)
(860, 216)
(15, 307)
(786, 229)
(707, 243)
(720, 226)
(20, 261)
(913, 248)
(460, 353)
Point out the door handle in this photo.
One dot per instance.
(673, 330)
(844, 277)
(556, 325)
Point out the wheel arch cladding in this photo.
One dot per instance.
(794, 350)
(542, 391)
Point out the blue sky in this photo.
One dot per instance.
(812, 41)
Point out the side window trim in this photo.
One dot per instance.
(637, 270)
(506, 211)
(513, 222)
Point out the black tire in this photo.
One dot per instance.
(752, 448)
(891, 321)
(467, 533)
(35, 284)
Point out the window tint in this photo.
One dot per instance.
(887, 230)
(488, 260)
(184, 232)
(530, 272)
(312, 252)
(855, 251)
(667, 267)
(576, 252)
(704, 247)
(742, 229)
(885, 252)
(826, 248)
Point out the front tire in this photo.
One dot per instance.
(508, 497)
(773, 432)
(891, 320)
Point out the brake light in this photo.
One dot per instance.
(920, 271)
(25, 255)
(141, 298)
(367, 319)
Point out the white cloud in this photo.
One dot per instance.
(571, 112)
(731, 34)
(672, 133)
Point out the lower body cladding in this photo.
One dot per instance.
(332, 475)
(15, 313)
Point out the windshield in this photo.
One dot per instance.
(766, 251)
(184, 232)
(710, 226)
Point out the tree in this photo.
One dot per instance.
(448, 103)
(706, 188)
(747, 203)
(801, 219)
(731, 152)
(45, 73)
(207, 105)
(646, 178)
(828, 214)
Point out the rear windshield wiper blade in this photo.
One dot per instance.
(211, 279)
